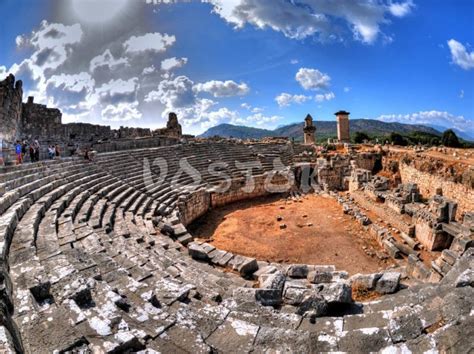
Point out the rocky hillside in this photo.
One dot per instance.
(324, 129)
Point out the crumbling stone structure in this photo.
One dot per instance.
(11, 94)
(429, 230)
(173, 128)
(404, 194)
(40, 121)
(126, 132)
(309, 130)
(359, 178)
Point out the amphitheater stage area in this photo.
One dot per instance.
(310, 229)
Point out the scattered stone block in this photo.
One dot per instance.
(339, 292)
(297, 271)
(274, 281)
(466, 278)
(364, 281)
(244, 265)
(319, 276)
(313, 304)
(197, 252)
(388, 283)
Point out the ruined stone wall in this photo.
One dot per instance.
(193, 206)
(127, 144)
(127, 132)
(85, 131)
(428, 183)
(366, 161)
(236, 191)
(331, 177)
(37, 120)
(401, 221)
(197, 203)
(11, 94)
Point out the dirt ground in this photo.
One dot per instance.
(317, 232)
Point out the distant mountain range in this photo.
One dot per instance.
(324, 129)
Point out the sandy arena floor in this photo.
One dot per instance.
(317, 232)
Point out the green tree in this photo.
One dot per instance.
(450, 139)
(397, 139)
(359, 137)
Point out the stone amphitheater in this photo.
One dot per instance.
(96, 255)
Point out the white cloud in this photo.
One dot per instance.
(461, 94)
(223, 88)
(401, 9)
(153, 42)
(305, 18)
(118, 90)
(325, 97)
(258, 119)
(294, 61)
(52, 44)
(312, 79)
(173, 63)
(73, 83)
(285, 99)
(20, 41)
(72, 92)
(108, 60)
(54, 35)
(174, 94)
(347, 89)
(149, 70)
(438, 118)
(121, 112)
(460, 55)
(246, 106)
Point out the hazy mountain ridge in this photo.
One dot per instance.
(323, 128)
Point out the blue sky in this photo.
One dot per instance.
(253, 62)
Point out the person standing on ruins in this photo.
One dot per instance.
(37, 149)
(18, 152)
(32, 152)
(24, 147)
(51, 152)
(57, 151)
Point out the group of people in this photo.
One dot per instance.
(33, 149)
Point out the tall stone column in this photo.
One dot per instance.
(343, 134)
(309, 131)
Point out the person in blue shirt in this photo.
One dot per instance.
(18, 151)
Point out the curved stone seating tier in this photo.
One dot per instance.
(86, 266)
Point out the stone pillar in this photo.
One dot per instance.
(309, 130)
(342, 118)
